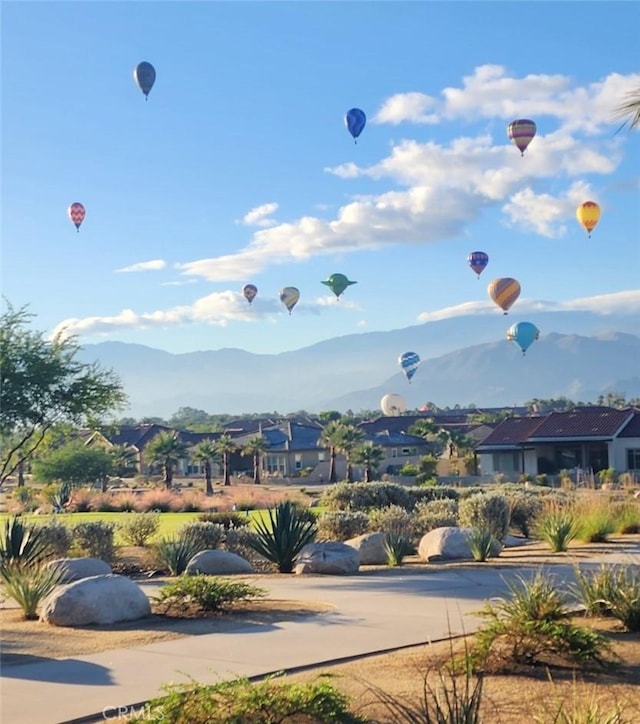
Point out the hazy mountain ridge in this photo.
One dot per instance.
(465, 359)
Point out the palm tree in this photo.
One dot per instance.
(330, 437)
(370, 456)
(432, 433)
(166, 449)
(204, 452)
(348, 441)
(629, 110)
(225, 446)
(124, 460)
(254, 448)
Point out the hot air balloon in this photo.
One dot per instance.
(355, 120)
(524, 334)
(76, 213)
(521, 132)
(393, 404)
(144, 75)
(409, 361)
(338, 283)
(249, 292)
(478, 261)
(588, 215)
(289, 297)
(504, 292)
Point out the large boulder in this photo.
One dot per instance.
(98, 600)
(336, 559)
(218, 563)
(370, 546)
(75, 569)
(447, 544)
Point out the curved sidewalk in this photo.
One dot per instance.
(373, 612)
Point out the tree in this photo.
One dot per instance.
(329, 415)
(166, 449)
(225, 446)
(255, 448)
(432, 433)
(629, 110)
(330, 437)
(74, 463)
(125, 460)
(348, 440)
(42, 384)
(205, 452)
(370, 456)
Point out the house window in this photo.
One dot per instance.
(298, 462)
(633, 459)
(409, 451)
(276, 464)
(322, 456)
(394, 452)
(506, 462)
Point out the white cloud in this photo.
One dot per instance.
(333, 301)
(178, 283)
(362, 323)
(412, 107)
(153, 265)
(259, 215)
(626, 302)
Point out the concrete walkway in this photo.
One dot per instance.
(373, 612)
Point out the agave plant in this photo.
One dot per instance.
(283, 537)
(20, 542)
(29, 584)
(175, 553)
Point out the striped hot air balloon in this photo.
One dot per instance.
(478, 261)
(409, 361)
(249, 292)
(76, 213)
(504, 292)
(521, 132)
(588, 214)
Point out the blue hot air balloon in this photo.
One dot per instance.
(524, 334)
(409, 361)
(144, 75)
(478, 261)
(355, 120)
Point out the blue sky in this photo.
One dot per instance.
(238, 169)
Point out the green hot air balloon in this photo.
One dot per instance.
(338, 283)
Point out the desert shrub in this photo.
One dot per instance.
(397, 544)
(409, 470)
(94, 540)
(557, 527)
(238, 540)
(304, 511)
(192, 502)
(625, 601)
(205, 593)
(80, 501)
(239, 701)
(524, 508)
(595, 520)
(21, 543)
(225, 518)
(542, 480)
(23, 499)
(173, 554)
(207, 536)
(104, 503)
(482, 544)
(160, 500)
(393, 518)
(341, 525)
(28, 584)
(137, 528)
(125, 502)
(596, 588)
(627, 517)
(530, 625)
(283, 537)
(57, 539)
(435, 514)
(364, 496)
(429, 493)
(487, 511)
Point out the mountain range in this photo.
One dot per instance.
(462, 362)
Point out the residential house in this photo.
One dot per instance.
(585, 439)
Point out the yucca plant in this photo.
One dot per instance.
(595, 589)
(175, 553)
(283, 537)
(396, 545)
(625, 601)
(20, 542)
(558, 528)
(28, 583)
(482, 544)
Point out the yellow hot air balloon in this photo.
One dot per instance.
(504, 292)
(588, 214)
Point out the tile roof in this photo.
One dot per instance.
(387, 438)
(511, 432)
(582, 422)
(632, 428)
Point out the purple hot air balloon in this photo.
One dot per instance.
(478, 261)
(521, 132)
